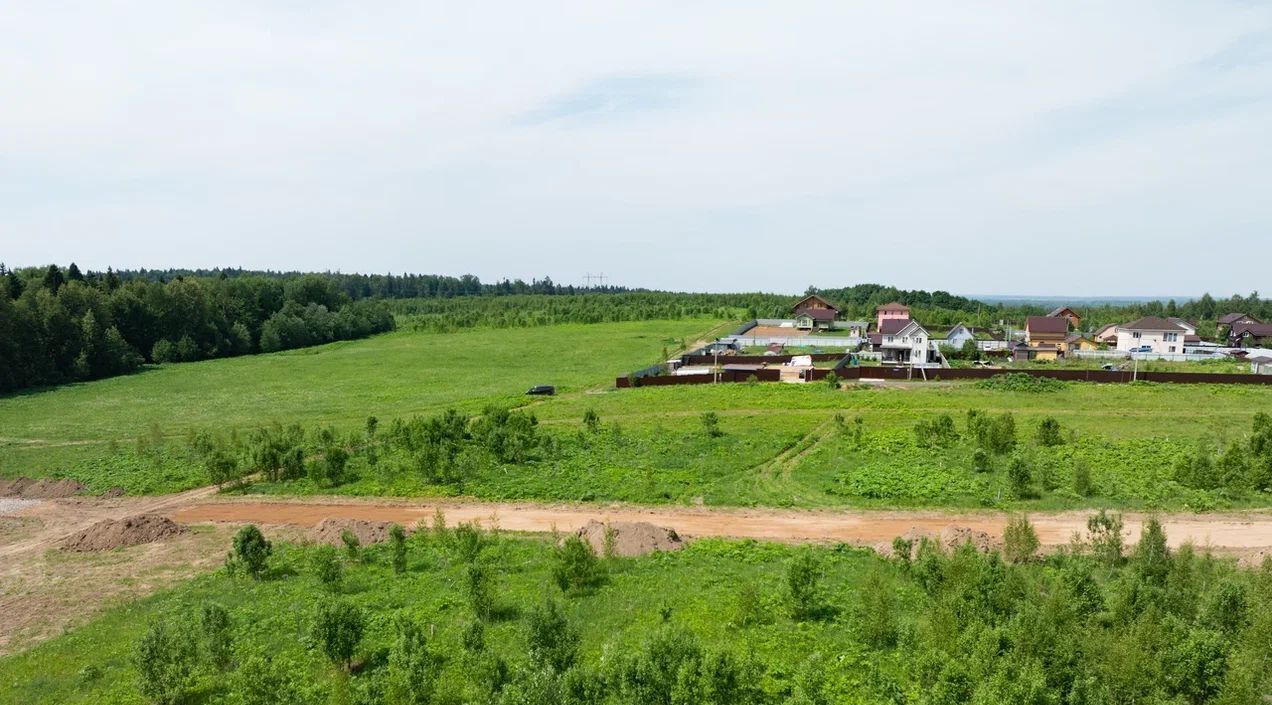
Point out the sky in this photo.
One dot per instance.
(1058, 148)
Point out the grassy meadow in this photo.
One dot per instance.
(776, 445)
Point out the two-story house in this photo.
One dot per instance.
(813, 312)
(904, 342)
(1151, 334)
(1047, 333)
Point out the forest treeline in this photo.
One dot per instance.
(63, 325)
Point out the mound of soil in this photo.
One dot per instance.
(43, 488)
(368, 532)
(115, 533)
(631, 538)
(949, 538)
(113, 493)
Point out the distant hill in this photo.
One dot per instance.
(1019, 300)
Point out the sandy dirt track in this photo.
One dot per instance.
(1235, 532)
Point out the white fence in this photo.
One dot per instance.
(803, 341)
(1123, 355)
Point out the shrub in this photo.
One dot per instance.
(938, 431)
(1104, 532)
(995, 434)
(592, 421)
(1020, 541)
(338, 629)
(1019, 476)
(165, 659)
(711, 424)
(218, 642)
(478, 590)
(803, 587)
(265, 680)
(876, 615)
(981, 461)
(1049, 432)
(577, 569)
(832, 380)
(1082, 485)
(412, 667)
(467, 541)
(353, 546)
(1152, 557)
(251, 551)
(397, 548)
(551, 641)
(1020, 382)
(327, 567)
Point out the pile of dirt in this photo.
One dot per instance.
(113, 493)
(43, 488)
(329, 531)
(115, 533)
(949, 538)
(630, 538)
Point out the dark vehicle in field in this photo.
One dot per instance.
(542, 390)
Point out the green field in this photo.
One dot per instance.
(717, 623)
(780, 445)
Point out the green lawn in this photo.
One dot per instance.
(781, 444)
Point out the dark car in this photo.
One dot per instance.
(543, 390)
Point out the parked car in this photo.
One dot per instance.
(1142, 349)
(543, 390)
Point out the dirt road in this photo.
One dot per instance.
(1236, 532)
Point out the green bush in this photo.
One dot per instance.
(1049, 432)
(327, 567)
(166, 659)
(251, 551)
(1020, 382)
(218, 640)
(338, 628)
(551, 641)
(1020, 541)
(577, 570)
(397, 548)
(803, 587)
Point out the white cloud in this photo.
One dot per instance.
(555, 138)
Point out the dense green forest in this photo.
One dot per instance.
(60, 326)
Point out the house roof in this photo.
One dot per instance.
(1258, 330)
(819, 314)
(1076, 337)
(1230, 318)
(1152, 323)
(892, 326)
(1105, 328)
(1183, 322)
(1060, 312)
(1047, 324)
(814, 297)
(894, 306)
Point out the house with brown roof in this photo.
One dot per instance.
(1151, 334)
(891, 312)
(1077, 341)
(1047, 331)
(1250, 335)
(1227, 321)
(903, 341)
(813, 312)
(1106, 335)
(1069, 314)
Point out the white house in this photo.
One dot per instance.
(904, 341)
(1151, 334)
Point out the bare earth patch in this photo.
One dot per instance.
(110, 534)
(331, 531)
(630, 538)
(43, 488)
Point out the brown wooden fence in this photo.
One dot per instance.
(1103, 376)
(772, 374)
(752, 359)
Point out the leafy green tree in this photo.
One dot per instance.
(352, 544)
(413, 667)
(165, 660)
(477, 587)
(1020, 541)
(592, 420)
(218, 639)
(1049, 432)
(711, 424)
(1104, 532)
(467, 542)
(577, 569)
(876, 614)
(803, 587)
(338, 628)
(397, 548)
(1152, 556)
(832, 380)
(263, 679)
(1082, 485)
(1019, 477)
(327, 567)
(251, 550)
(552, 642)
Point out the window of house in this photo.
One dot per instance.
(1135, 334)
(1171, 349)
